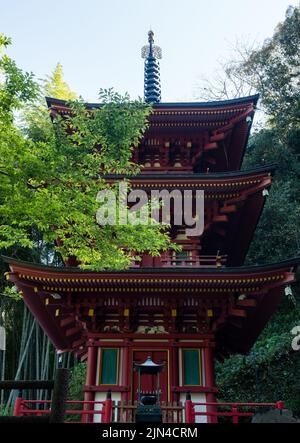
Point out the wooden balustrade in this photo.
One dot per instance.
(124, 412)
(198, 261)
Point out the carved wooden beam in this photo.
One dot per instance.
(220, 219)
(228, 209)
(210, 146)
(67, 321)
(217, 137)
(237, 313)
(73, 331)
(247, 303)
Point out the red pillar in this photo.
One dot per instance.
(147, 260)
(210, 381)
(107, 409)
(17, 407)
(189, 409)
(157, 263)
(125, 372)
(174, 382)
(90, 380)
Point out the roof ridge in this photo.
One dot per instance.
(217, 103)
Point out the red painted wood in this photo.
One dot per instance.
(199, 139)
(97, 337)
(90, 380)
(97, 388)
(174, 373)
(195, 389)
(125, 373)
(210, 380)
(234, 413)
(17, 407)
(107, 411)
(189, 412)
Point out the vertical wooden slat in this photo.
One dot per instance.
(129, 413)
(119, 413)
(163, 404)
(172, 412)
(181, 412)
(114, 415)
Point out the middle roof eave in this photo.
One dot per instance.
(197, 176)
(39, 269)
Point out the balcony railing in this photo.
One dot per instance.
(198, 261)
(229, 412)
(168, 260)
(108, 411)
(76, 411)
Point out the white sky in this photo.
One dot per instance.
(98, 42)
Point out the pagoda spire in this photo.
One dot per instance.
(151, 53)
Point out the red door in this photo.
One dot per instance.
(148, 382)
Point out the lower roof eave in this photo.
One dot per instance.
(267, 280)
(288, 263)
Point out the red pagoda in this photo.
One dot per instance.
(183, 309)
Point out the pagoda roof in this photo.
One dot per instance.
(41, 268)
(243, 299)
(251, 99)
(212, 103)
(196, 176)
(227, 122)
(229, 225)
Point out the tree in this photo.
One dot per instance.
(56, 87)
(228, 81)
(16, 89)
(36, 123)
(272, 69)
(49, 179)
(270, 370)
(49, 187)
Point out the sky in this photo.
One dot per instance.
(99, 42)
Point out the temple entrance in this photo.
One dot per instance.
(148, 382)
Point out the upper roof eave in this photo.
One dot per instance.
(196, 176)
(209, 104)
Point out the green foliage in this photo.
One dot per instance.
(12, 292)
(16, 88)
(278, 232)
(76, 384)
(270, 372)
(77, 381)
(4, 412)
(36, 122)
(49, 184)
(56, 87)
(48, 187)
(274, 70)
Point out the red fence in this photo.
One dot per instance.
(233, 410)
(87, 410)
(43, 407)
